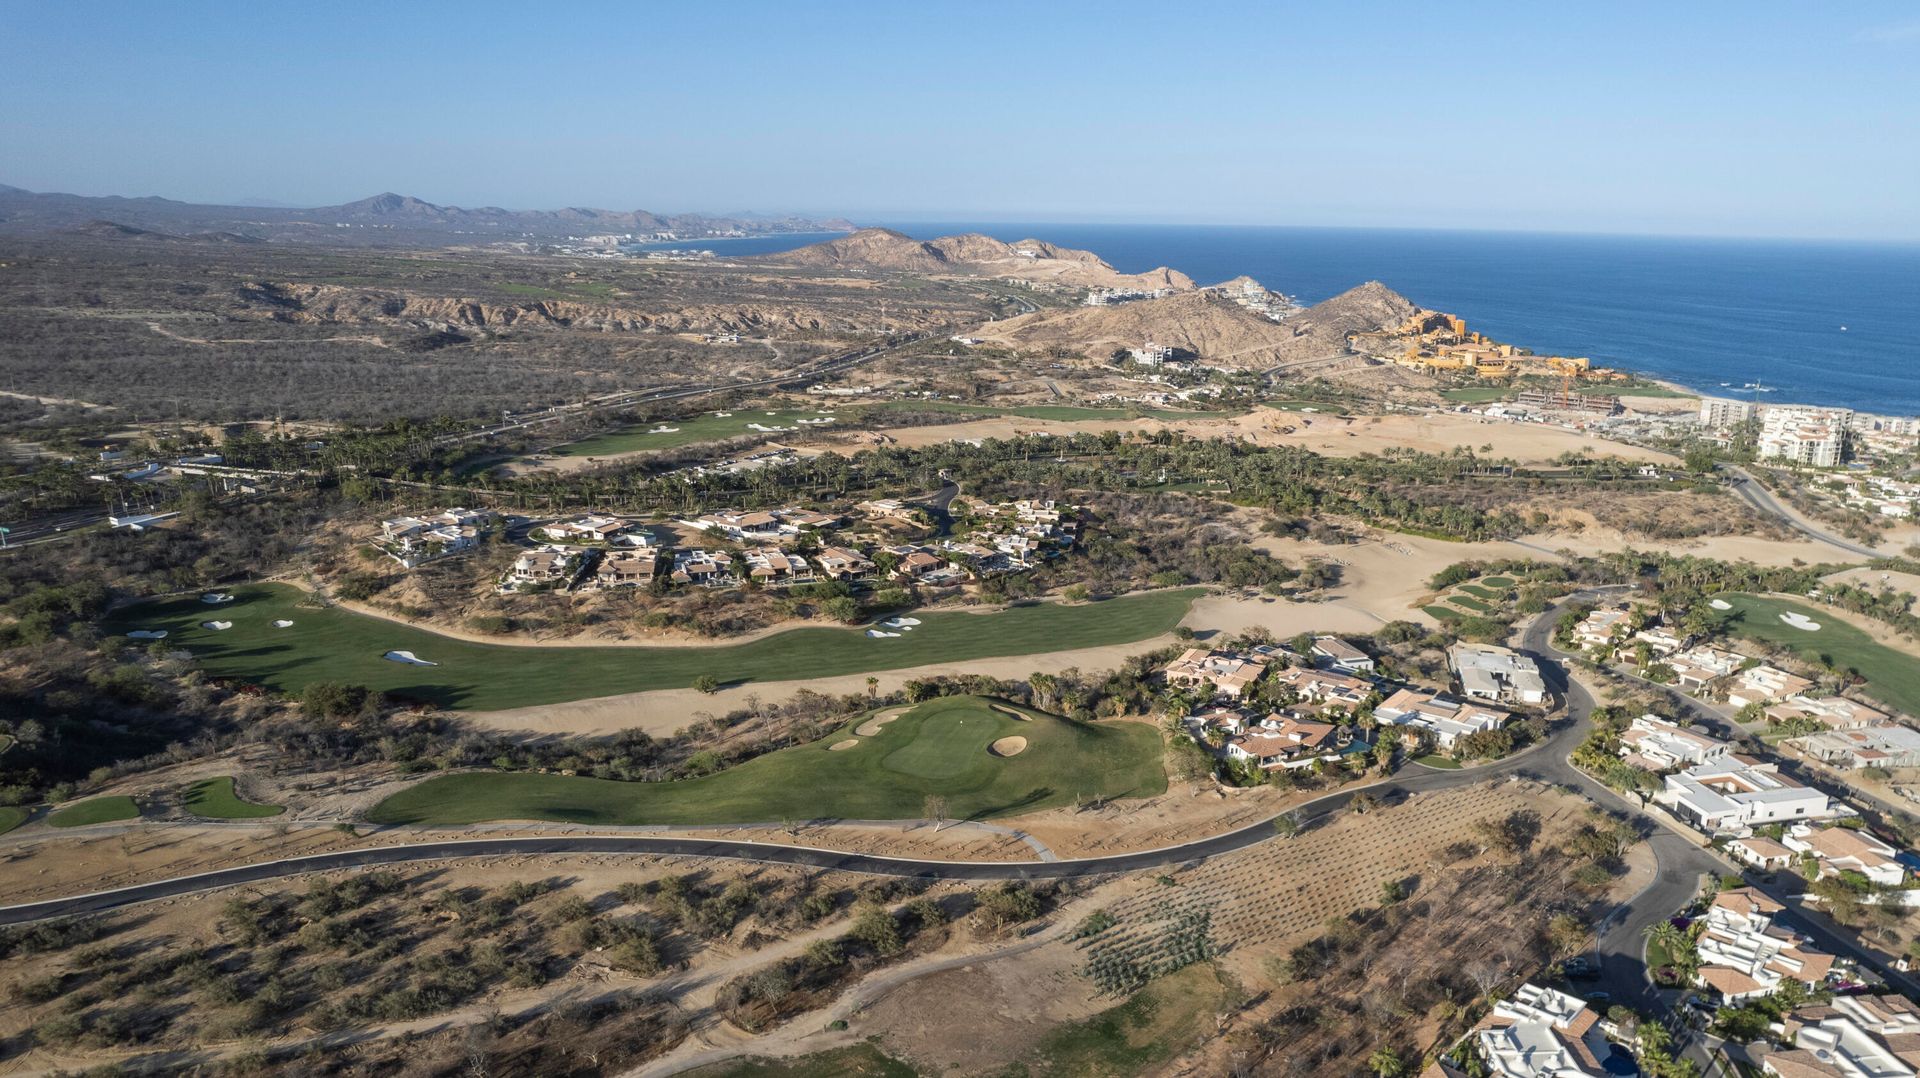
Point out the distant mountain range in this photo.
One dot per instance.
(385, 219)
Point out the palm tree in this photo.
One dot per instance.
(1386, 1063)
(873, 687)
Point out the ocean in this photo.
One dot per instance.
(1813, 322)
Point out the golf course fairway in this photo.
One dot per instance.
(329, 644)
(1893, 677)
(938, 747)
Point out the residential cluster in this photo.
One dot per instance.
(771, 547)
(1273, 708)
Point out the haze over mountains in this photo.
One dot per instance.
(384, 219)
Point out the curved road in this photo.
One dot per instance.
(1749, 490)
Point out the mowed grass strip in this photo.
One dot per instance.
(1892, 676)
(1497, 581)
(12, 816)
(1494, 594)
(1442, 613)
(1470, 603)
(335, 645)
(940, 747)
(95, 810)
(705, 427)
(215, 799)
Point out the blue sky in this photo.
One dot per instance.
(1765, 119)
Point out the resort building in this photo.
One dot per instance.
(1884, 744)
(1842, 849)
(1445, 718)
(1542, 1033)
(1487, 672)
(1763, 685)
(1341, 655)
(1229, 674)
(1735, 793)
(1746, 949)
(1815, 437)
(1851, 1037)
(1655, 744)
(1718, 412)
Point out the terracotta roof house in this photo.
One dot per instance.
(1283, 741)
(842, 563)
(1852, 1037)
(1446, 718)
(1841, 849)
(1835, 712)
(1341, 655)
(1228, 673)
(1886, 744)
(1761, 853)
(1746, 950)
(625, 569)
(1764, 684)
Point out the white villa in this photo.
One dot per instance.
(1735, 793)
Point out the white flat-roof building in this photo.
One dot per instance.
(1487, 672)
(1852, 1037)
(1816, 437)
(1657, 745)
(1735, 793)
(1542, 1033)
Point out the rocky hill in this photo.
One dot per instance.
(973, 254)
(384, 219)
(1210, 325)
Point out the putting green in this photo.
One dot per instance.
(939, 747)
(1892, 676)
(331, 644)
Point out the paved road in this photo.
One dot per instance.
(1749, 490)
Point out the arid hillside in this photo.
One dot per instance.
(1210, 326)
(976, 255)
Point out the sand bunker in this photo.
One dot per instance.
(1801, 621)
(283, 624)
(878, 635)
(723, 415)
(871, 728)
(215, 597)
(842, 746)
(664, 430)
(901, 623)
(216, 626)
(147, 634)
(407, 657)
(1011, 713)
(1008, 746)
(1719, 604)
